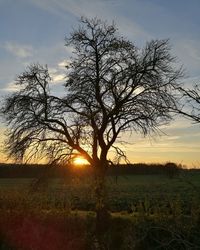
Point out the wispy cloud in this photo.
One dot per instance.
(19, 50)
(57, 76)
(104, 9)
(11, 87)
(63, 63)
(75, 7)
(188, 52)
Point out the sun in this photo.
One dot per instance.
(79, 161)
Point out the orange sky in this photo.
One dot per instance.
(180, 143)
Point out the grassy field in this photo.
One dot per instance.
(123, 194)
(148, 212)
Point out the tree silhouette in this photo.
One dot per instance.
(111, 87)
(191, 103)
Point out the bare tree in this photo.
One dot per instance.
(111, 87)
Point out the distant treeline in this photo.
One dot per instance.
(36, 170)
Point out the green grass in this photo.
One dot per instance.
(129, 193)
(154, 188)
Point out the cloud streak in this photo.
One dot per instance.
(19, 50)
(188, 52)
(11, 87)
(100, 8)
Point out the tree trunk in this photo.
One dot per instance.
(102, 213)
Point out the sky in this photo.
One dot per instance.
(33, 31)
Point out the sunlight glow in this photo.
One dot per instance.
(79, 161)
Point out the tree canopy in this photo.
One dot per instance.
(111, 87)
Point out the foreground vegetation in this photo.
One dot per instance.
(151, 211)
(50, 230)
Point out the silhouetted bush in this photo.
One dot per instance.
(172, 169)
(169, 169)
